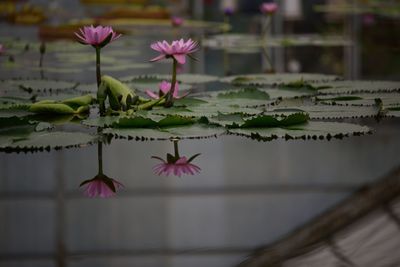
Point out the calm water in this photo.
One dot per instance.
(248, 193)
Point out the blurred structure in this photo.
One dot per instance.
(363, 230)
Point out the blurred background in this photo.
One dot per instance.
(249, 194)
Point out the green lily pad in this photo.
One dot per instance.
(74, 105)
(60, 70)
(278, 79)
(44, 140)
(356, 87)
(246, 93)
(388, 99)
(260, 121)
(122, 66)
(154, 86)
(330, 111)
(78, 58)
(310, 130)
(196, 131)
(187, 78)
(147, 120)
(32, 85)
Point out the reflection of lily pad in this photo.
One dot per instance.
(310, 130)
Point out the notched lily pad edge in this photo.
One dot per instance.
(33, 149)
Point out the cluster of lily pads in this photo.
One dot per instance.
(43, 114)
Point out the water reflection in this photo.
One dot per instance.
(101, 185)
(176, 165)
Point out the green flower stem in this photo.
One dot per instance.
(98, 77)
(176, 149)
(169, 101)
(98, 70)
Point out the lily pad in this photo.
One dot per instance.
(355, 87)
(330, 111)
(147, 120)
(33, 85)
(44, 140)
(311, 130)
(260, 121)
(187, 78)
(278, 79)
(388, 99)
(122, 66)
(196, 131)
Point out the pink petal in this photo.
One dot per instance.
(182, 160)
(152, 94)
(181, 58)
(160, 57)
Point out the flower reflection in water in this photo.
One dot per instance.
(175, 164)
(101, 185)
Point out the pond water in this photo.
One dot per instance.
(247, 194)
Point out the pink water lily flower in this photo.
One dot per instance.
(101, 186)
(177, 50)
(165, 87)
(268, 8)
(97, 36)
(177, 21)
(178, 168)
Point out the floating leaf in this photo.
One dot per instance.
(355, 87)
(278, 79)
(44, 140)
(154, 86)
(260, 121)
(311, 130)
(30, 85)
(106, 121)
(195, 78)
(388, 99)
(122, 66)
(145, 120)
(189, 101)
(74, 105)
(182, 132)
(248, 97)
(61, 70)
(135, 122)
(330, 111)
(246, 93)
